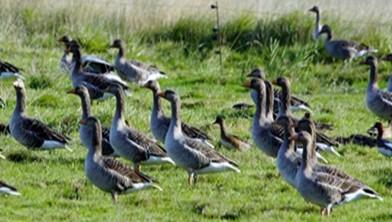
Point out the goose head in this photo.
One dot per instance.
(314, 9)
(153, 85)
(285, 121)
(169, 95)
(117, 43)
(94, 130)
(218, 120)
(302, 137)
(73, 46)
(370, 60)
(256, 73)
(306, 124)
(65, 39)
(376, 130)
(19, 85)
(282, 82)
(254, 84)
(325, 29)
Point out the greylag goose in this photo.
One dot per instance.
(343, 49)
(318, 26)
(159, 123)
(228, 140)
(108, 174)
(94, 83)
(324, 189)
(129, 143)
(134, 71)
(195, 157)
(8, 189)
(30, 132)
(7, 70)
(90, 63)
(297, 104)
(383, 146)
(82, 92)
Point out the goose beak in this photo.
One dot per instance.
(71, 91)
(246, 84)
(82, 122)
(161, 94)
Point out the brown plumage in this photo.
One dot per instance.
(228, 140)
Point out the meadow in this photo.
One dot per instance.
(178, 38)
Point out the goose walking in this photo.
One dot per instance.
(82, 92)
(8, 189)
(134, 71)
(30, 132)
(90, 63)
(192, 155)
(228, 140)
(318, 26)
(159, 123)
(94, 83)
(108, 174)
(323, 189)
(128, 142)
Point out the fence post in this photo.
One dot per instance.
(218, 35)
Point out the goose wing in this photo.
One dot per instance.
(38, 130)
(145, 143)
(8, 67)
(194, 132)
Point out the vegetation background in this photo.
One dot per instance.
(177, 37)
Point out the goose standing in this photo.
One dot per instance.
(323, 189)
(159, 123)
(94, 83)
(82, 92)
(134, 71)
(90, 63)
(30, 132)
(228, 140)
(383, 146)
(109, 174)
(343, 49)
(318, 26)
(192, 155)
(129, 143)
(8, 189)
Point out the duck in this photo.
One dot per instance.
(82, 92)
(94, 83)
(343, 49)
(228, 140)
(90, 63)
(8, 70)
(8, 189)
(384, 146)
(30, 132)
(159, 123)
(297, 104)
(318, 26)
(129, 143)
(106, 173)
(324, 189)
(388, 58)
(190, 154)
(134, 71)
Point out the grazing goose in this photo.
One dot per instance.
(82, 92)
(108, 174)
(195, 157)
(90, 63)
(323, 189)
(343, 49)
(8, 189)
(129, 143)
(388, 58)
(134, 71)
(7, 70)
(30, 132)
(94, 83)
(318, 26)
(383, 146)
(228, 140)
(297, 104)
(159, 123)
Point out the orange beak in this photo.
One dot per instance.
(161, 94)
(82, 122)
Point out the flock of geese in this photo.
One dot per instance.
(296, 143)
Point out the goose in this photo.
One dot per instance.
(128, 142)
(297, 104)
(7, 70)
(388, 58)
(318, 26)
(190, 154)
(82, 92)
(8, 189)
(90, 63)
(134, 71)
(159, 123)
(343, 49)
(94, 83)
(383, 146)
(106, 173)
(33, 133)
(358, 139)
(323, 189)
(228, 140)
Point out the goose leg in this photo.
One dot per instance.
(190, 178)
(114, 197)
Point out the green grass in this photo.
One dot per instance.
(53, 184)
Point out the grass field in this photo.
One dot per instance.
(53, 184)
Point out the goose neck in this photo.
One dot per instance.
(119, 104)
(20, 100)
